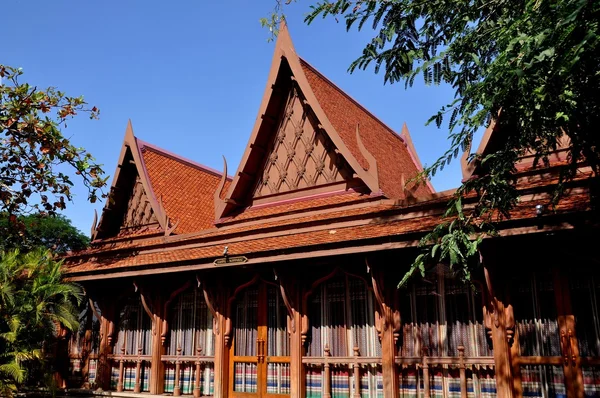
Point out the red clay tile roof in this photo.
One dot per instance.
(186, 188)
(316, 202)
(294, 240)
(389, 149)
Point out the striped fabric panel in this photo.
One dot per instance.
(75, 365)
(145, 375)
(129, 377)
(340, 383)
(114, 377)
(486, 382)
(278, 378)
(452, 381)
(169, 377)
(591, 381)
(245, 375)
(371, 382)
(436, 382)
(93, 371)
(314, 382)
(408, 381)
(207, 386)
(543, 381)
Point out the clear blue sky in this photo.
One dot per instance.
(191, 74)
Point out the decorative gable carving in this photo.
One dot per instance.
(139, 210)
(300, 155)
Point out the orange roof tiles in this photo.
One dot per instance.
(390, 151)
(186, 189)
(295, 240)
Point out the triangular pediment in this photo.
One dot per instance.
(300, 154)
(131, 208)
(294, 151)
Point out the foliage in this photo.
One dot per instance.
(33, 148)
(41, 231)
(33, 302)
(531, 66)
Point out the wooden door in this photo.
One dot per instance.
(259, 356)
(555, 314)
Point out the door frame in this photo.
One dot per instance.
(262, 359)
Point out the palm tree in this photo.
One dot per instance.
(35, 304)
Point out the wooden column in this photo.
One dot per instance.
(499, 322)
(297, 385)
(388, 354)
(157, 369)
(388, 320)
(107, 327)
(221, 357)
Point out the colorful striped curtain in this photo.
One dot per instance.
(538, 333)
(440, 314)
(245, 336)
(278, 343)
(342, 316)
(191, 328)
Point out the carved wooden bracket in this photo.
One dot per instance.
(285, 287)
(228, 328)
(146, 308)
(307, 293)
(386, 316)
(165, 323)
(209, 297)
(492, 315)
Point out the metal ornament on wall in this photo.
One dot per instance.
(301, 154)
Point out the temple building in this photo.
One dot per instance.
(281, 280)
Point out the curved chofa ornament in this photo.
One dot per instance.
(366, 154)
(217, 195)
(168, 226)
(94, 230)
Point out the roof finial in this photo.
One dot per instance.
(217, 195)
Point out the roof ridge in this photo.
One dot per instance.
(355, 102)
(178, 158)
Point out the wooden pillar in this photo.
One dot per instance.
(297, 385)
(389, 328)
(499, 322)
(157, 369)
(107, 326)
(388, 354)
(504, 387)
(221, 357)
(463, 371)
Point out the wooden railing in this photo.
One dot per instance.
(354, 363)
(198, 361)
(425, 363)
(122, 359)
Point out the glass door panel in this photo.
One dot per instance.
(278, 344)
(245, 342)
